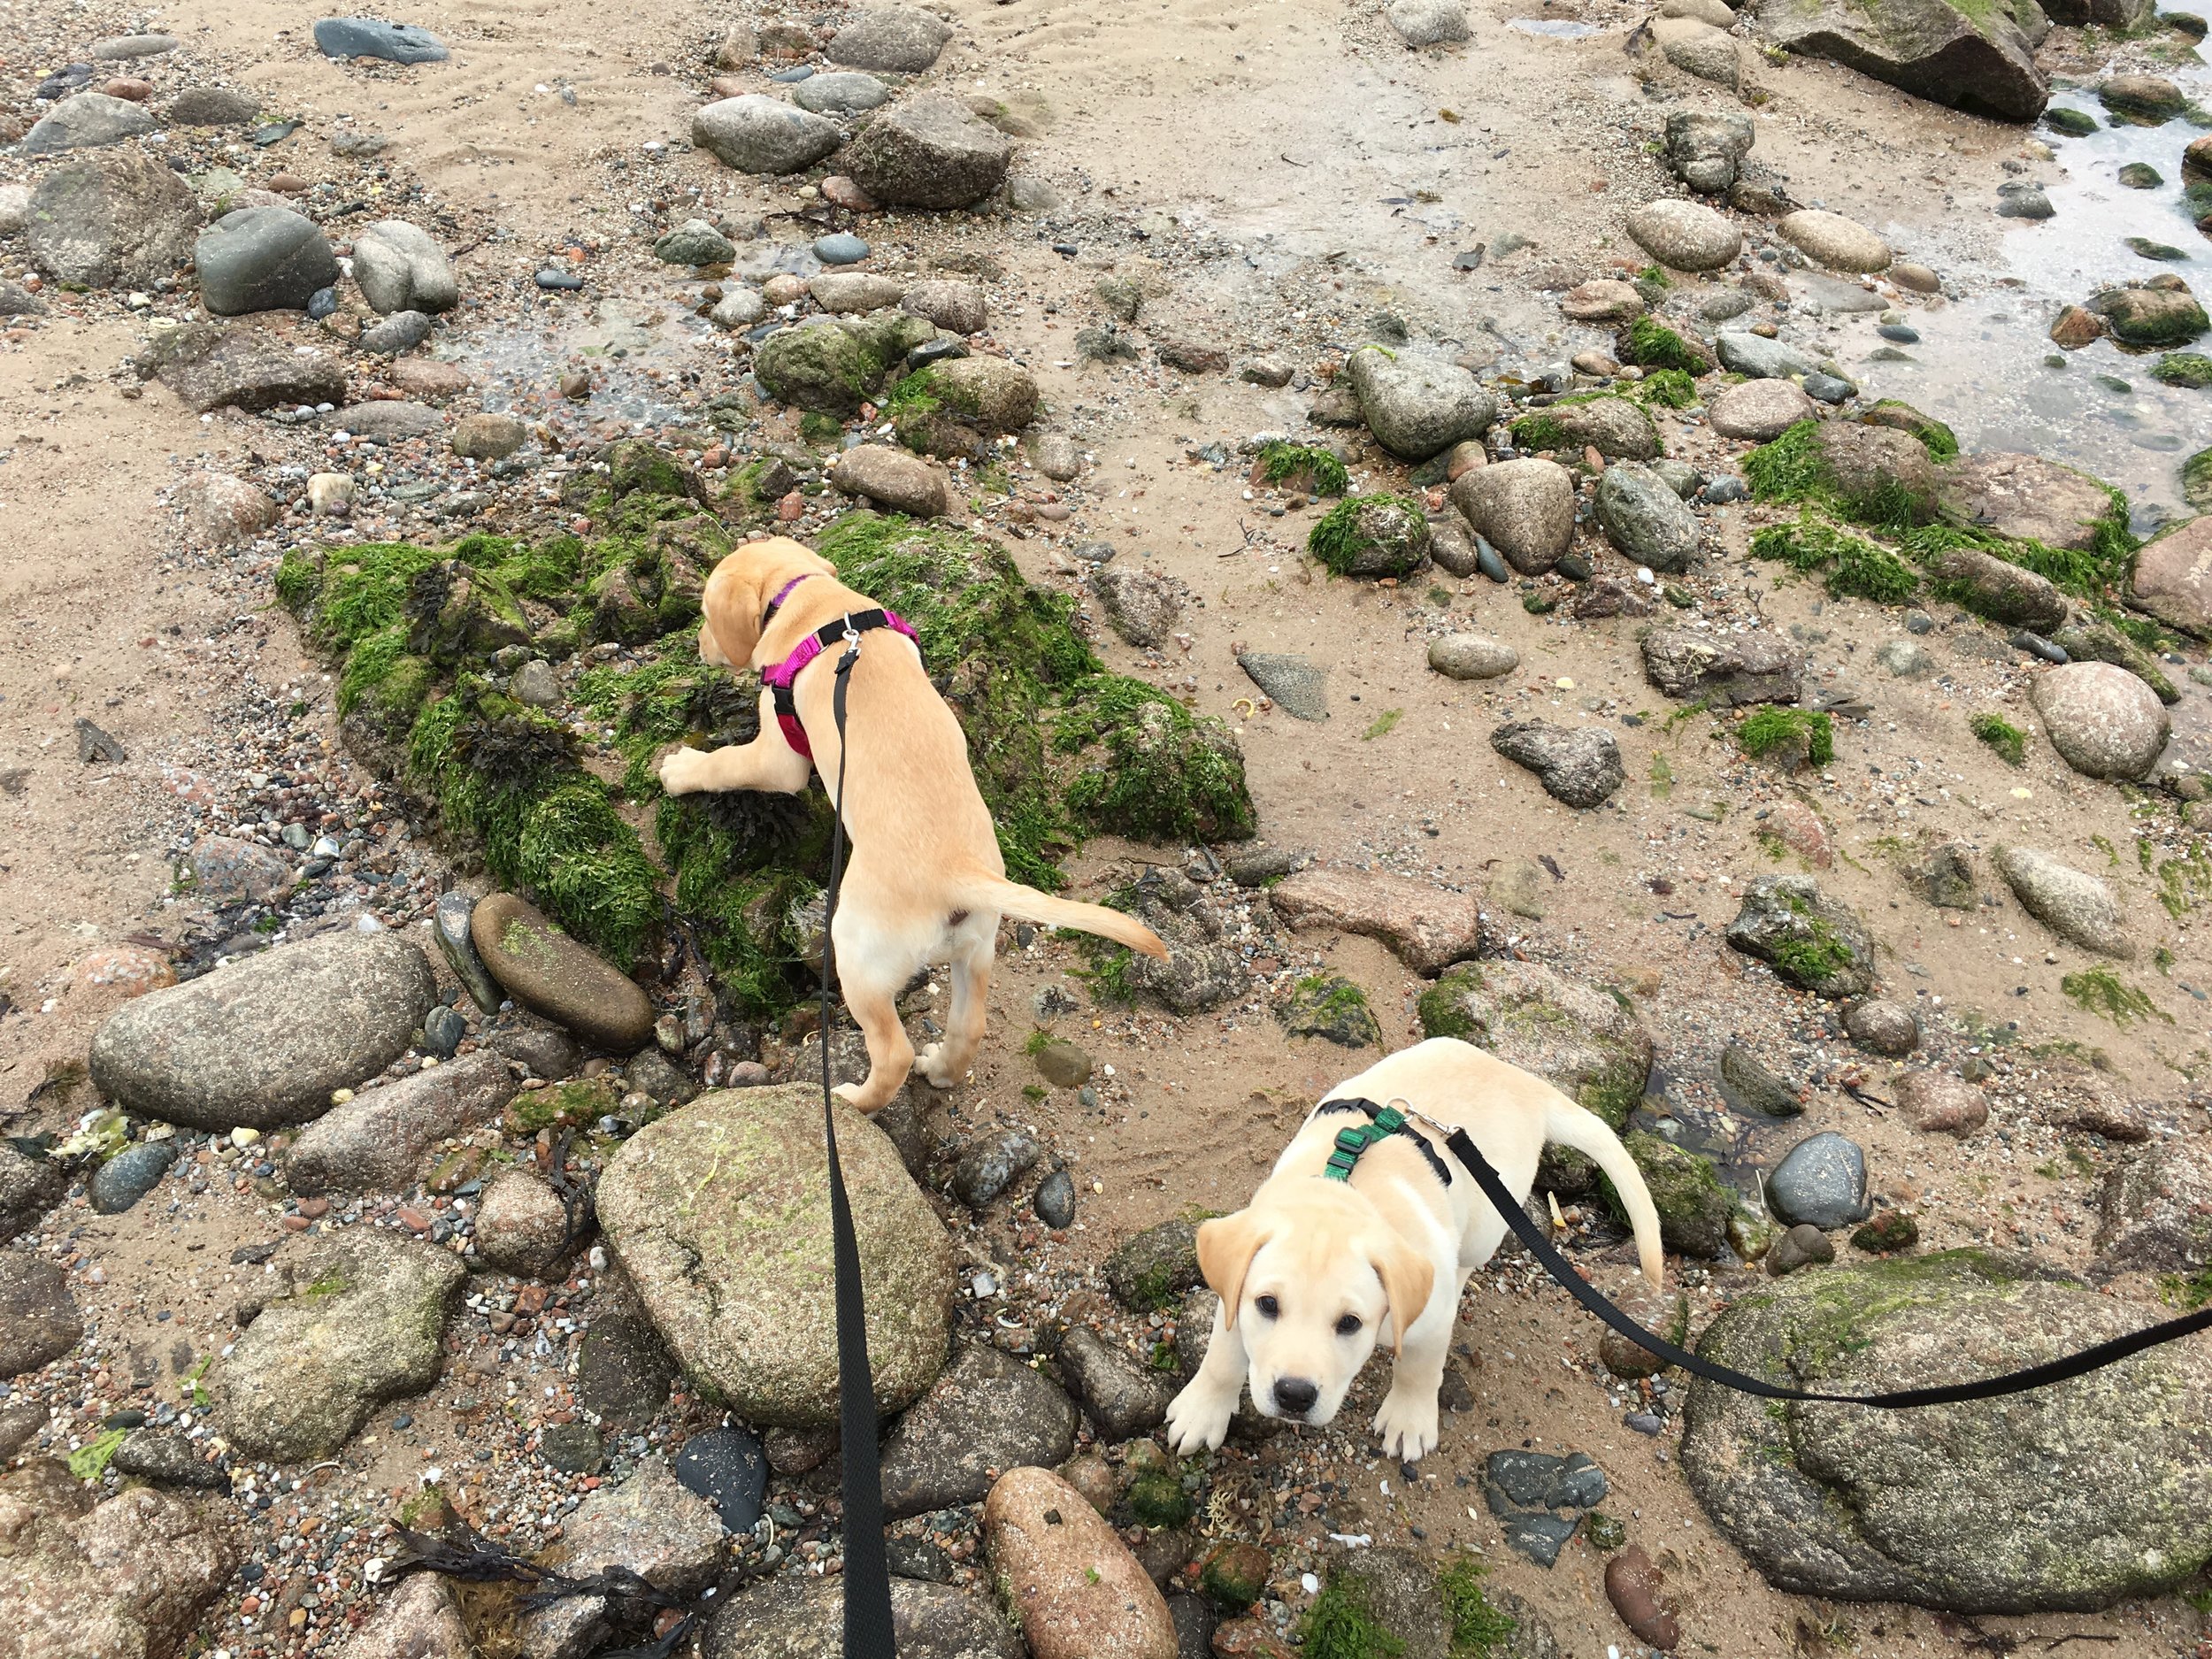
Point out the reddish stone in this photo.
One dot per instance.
(1802, 832)
(1633, 1584)
(1248, 1639)
(131, 90)
(412, 1219)
(839, 191)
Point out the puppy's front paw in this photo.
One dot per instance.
(1198, 1420)
(682, 772)
(1407, 1424)
(850, 1093)
(932, 1064)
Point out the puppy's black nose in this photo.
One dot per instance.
(1296, 1394)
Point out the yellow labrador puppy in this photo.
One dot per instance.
(1314, 1272)
(925, 882)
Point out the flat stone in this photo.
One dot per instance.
(487, 437)
(795, 1617)
(167, 1459)
(1121, 1401)
(1748, 1086)
(39, 1321)
(212, 106)
(893, 479)
(958, 308)
(1298, 685)
(1758, 410)
(262, 1042)
(1427, 927)
(1761, 359)
(549, 973)
(375, 37)
(2078, 908)
(126, 48)
(211, 366)
(1580, 765)
(987, 1413)
(855, 291)
(839, 92)
(86, 120)
(1601, 300)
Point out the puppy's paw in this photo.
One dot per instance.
(932, 1064)
(853, 1095)
(1198, 1420)
(682, 772)
(1407, 1424)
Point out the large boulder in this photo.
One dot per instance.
(720, 1214)
(929, 151)
(29, 1187)
(2026, 498)
(1584, 1039)
(118, 219)
(2173, 578)
(897, 40)
(1812, 941)
(2104, 721)
(39, 1321)
(1645, 518)
(264, 1042)
(1981, 61)
(1524, 508)
(364, 1323)
(2161, 313)
(1832, 240)
(377, 1140)
(261, 259)
(1418, 406)
(2073, 1497)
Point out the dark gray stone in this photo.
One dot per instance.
(987, 1169)
(30, 1187)
(86, 120)
(167, 1459)
(261, 259)
(1750, 1086)
(1299, 687)
(728, 1469)
(1580, 765)
(1055, 1203)
(1120, 1400)
(130, 1175)
(986, 1413)
(39, 1321)
(574, 1448)
(375, 37)
(1821, 1181)
(1150, 1272)
(622, 1373)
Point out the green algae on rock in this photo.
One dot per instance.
(1371, 536)
(1583, 1038)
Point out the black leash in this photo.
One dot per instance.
(867, 1574)
(1462, 1147)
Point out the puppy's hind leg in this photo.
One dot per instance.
(1199, 1417)
(871, 972)
(944, 1063)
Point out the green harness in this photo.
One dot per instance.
(1355, 1138)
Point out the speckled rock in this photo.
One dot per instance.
(898, 40)
(115, 220)
(1578, 764)
(988, 1412)
(803, 1617)
(1418, 406)
(1813, 941)
(649, 1525)
(1685, 235)
(39, 1321)
(2154, 1213)
(928, 151)
(30, 1187)
(419, 1619)
(1067, 1577)
(264, 1042)
(377, 1141)
(760, 135)
(549, 973)
(1427, 927)
(2104, 721)
(1524, 508)
(1471, 656)
(1577, 1036)
(1941, 1102)
(2173, 578)
(1757, 410)
(1840, 243)
(1726, 670)
(2077, 907)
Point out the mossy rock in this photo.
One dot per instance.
(1150, 768)
(1331, 1007)
(2158, 314)
(636, 467)
(1150, 1272)
(2189, 369)
(818, 365)
(1868, 475)
(1941, 443)
(1582, 1039)
(2072, 1497)
(1813, 941)
(1693, 1202)
(1371, 536)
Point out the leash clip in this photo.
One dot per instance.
(852, 633)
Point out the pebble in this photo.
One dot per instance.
(728, 1469)
(1054, 1200)
(1821, 1181)
(1633, 1584)
(562, 281)
(1472, 656)
(129, 1176)
(1803, 1245)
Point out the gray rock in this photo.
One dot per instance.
(1645, 518)
(261, 259)
(1299, 687)
(223, 869)
(1121, 1401)
(450, 929)
(443, 1031)
(549, 973)
(649, 1526)
(1985, 63)
(494, 438)
(1575, 1035)
(1580, 765)
(2057, 1498)
(1759, 410)
(991, 1165)
(1761, 359)
(18, 300)
(1373, 536)
(694, 242)
(739, 307)
(86, 120)
(1055, 453)
(375, 37)
(1685, 235)
(1704, 52)
(116, 219)
(1883, 1027)
(402, 331)
(1804, 1245)
(623, 1372)
(18, 1425)
(125, 48)
(212, 106)
(1813, 941)
(1452, 545)
(799, 1617)
(363, 1324)
(1615, 427)
(1750, 1086)
(928, 151)
(987, 1413)
(388, 419)
(1907, 658)
(1835, 241)
(1418, 406)
(167, 1459)
(212, 367)
(129, 1176)
(1139, 604)
(1054, 1200)
(1726, 670)
(2103, 720)
(402, 267)
(264, 1042)
(1998, 589)
(957, 308)
(2078, 908)
(2154, 1214)
(1524, 508)
(1820, 1181)
(39, 1321)
(839, 92)
(895, 40)
(761, 135)
(1428, 22)
(378, 1140)
(852, 291)
(1472, 656)
(1705, 149)
(30, 1187)
(739, 1286)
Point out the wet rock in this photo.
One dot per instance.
(1821, 1181)
(760, 135)
(1983, 63)
(991, 1165)
(573, 1449)
(2160, 313)
(649, 1525)
(623, 1372)
(846, 92)
(39, 1321)
(1759, 410)
(85, 120)
(211, 367)
(363, 1324)
(1883, 1027)
(1645, 518)
(739, 307)
(29, 1187)
(1580, 765)
(375, 37)
(2002, 591)
(693, 242)
(957, 308)
(2104, 721)
(1427, 927)
(1523, 507)
(450, 929)
(522, 1226)
(1694, 1206)
(1749, 1085)
(1840, 243)
(1054, 1200)
(2173, 578)
(897, 40)
(116, 219)
(891, 478)
(2149, 98)
(129, 1176)
(740, 1288)
(167, 1459)
(2078, 908)
(1615, 427)
(1151, 1271)
(2026, 498)
(1121, 1401)
(1575, 1035)
(131, 1577)
(549, 973)
(1418, 406)
(1140, 605)
(1297, 686)
(1069, 1579)
(987, 1413)
(2152, 1213)
(799, 1617)
(378, 1140)
(928, 151)
(264, 1042)
(1726, 670)
(1939, 1103)
(1761, 359)
(419, 1619)
(976, 398)
(1601, 300)
(1705, 149)
(1372, 536)
(262, 258)
(729, 1469)
(1812, 941)
(401, 267)
(820, 366)
(1685, 235)
(1428, 22)
(1471, 656)
(1634, 1586)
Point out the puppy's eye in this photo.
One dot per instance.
(1348, 1325)
(1268, 1306)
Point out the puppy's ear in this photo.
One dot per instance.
(730, 608)
(1408, 1277)
(1225, 1248)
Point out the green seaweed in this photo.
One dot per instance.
(2102, 992)
(1794, 467)
(1811, 736)
(1342, 538)
(1670, 388)
(1476, 1626)
(1341, 1623)
(1151, 769)
(1855, 566)
(2007, 740)
(1652, 345)
(1320, 472)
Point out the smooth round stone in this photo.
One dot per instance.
(1903, 333)
(130, 1175)
(1821, 1181)
(1826, 389)
(839, 92)
(1055, 1202)
(443, 1030)
(321, 303)
(549, 973)
(841, 248)
(373, 37)
(2102, 719)
(1802, 1246)
(564, 281)
(1757, 410)
(1840, 243)
(1882, 1025)
(1472, 656)
(1685, 235)
(728, 1469)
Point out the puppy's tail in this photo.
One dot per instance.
(1569, 1124)
(983, 892)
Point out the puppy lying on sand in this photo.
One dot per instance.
(925, 882)
(1315, 1272)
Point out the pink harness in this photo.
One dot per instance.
(780, 677)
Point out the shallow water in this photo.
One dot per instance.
(636, 350)
(1557, 28)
